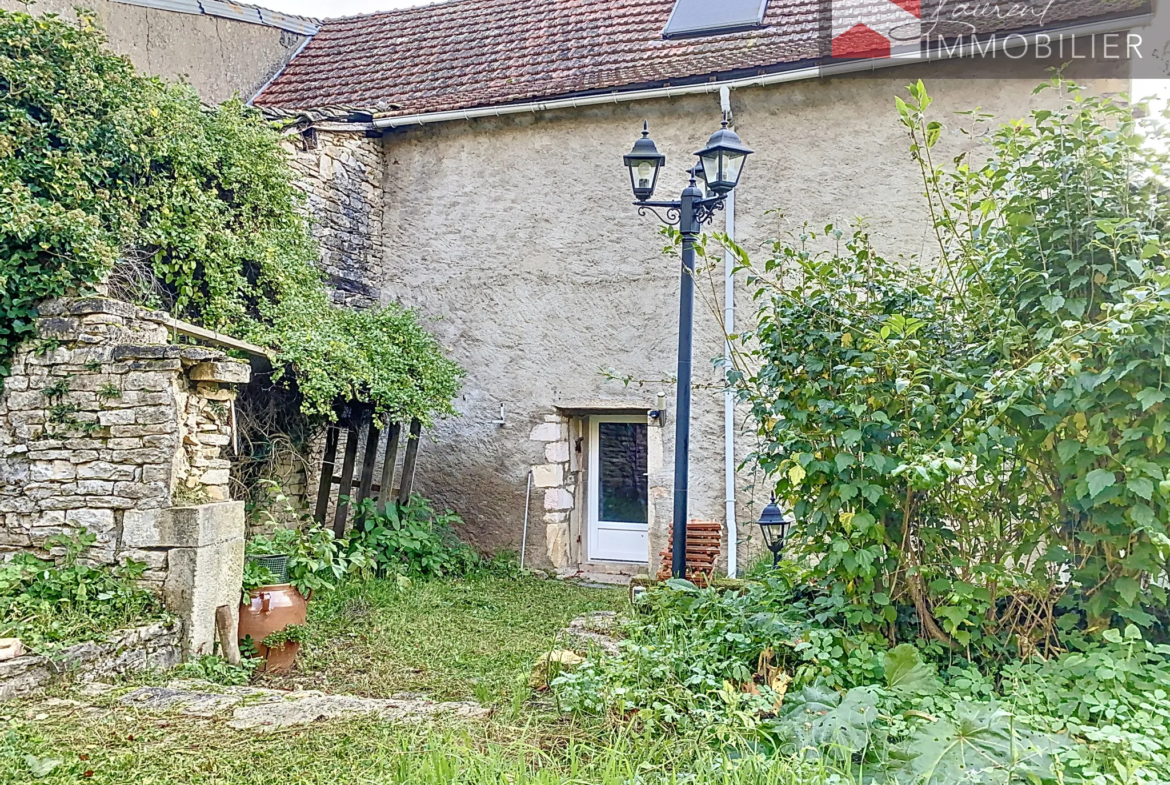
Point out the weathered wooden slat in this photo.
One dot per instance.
(353, 435)
(211, 336)
(328, 463)
(369, 456)
(408, 462)
(386, 487)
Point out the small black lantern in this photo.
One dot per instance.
(723, 160)
(644, 163)
(775, 528)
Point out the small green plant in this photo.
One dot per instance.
(108, 391)
(58, 389)
(249, 649)
(255, 576)
(292, 633)
(93, 366)
(46, 346)
(217, 670)
(53, 603)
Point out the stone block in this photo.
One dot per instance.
(132, 352)
(548, 432)
(216, 477)
(84, 306)
(224, 371)
(142, 490)
(557, 542)
(116, 417)
(153, 415)
(148, 381)
(95, 487)
(96, 521)
(52, 471)
(206, 574)
(104, 470)
(182, 527)
(558, 499)
(556, 452)
(549, 475)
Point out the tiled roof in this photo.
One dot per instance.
(470, 53)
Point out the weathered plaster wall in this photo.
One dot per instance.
(218, 57)
(101, 417)
(342, 177)
(516, 235)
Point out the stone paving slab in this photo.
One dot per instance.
(256, 708)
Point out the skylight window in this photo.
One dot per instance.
(712, 17)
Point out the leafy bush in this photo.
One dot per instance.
(198, 211)
(733, 667)
(53, 604)
(412, 539)
(317, 561)
(978, 455)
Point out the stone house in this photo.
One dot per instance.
(476, 176)
(464, 159)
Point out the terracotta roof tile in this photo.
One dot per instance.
(469, 53)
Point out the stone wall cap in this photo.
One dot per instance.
(200, 354)
(184, 527)
(84, 306)
(603, 406)
(227, 371)
(137, 352)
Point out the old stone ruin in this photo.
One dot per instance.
(108, 426)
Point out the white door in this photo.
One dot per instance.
(619, 501)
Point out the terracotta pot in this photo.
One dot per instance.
(273, 608)
(280, 660)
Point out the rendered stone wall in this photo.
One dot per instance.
(218, 57)
(100, 416)
(539, 278)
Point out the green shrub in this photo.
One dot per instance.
(976, 451)
(53, 604)
(412, 539)
(317, 560)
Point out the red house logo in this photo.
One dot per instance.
(876, 28)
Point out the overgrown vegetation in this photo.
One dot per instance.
(978, 456)
(193, 209)
(51, 604)
(976, 462)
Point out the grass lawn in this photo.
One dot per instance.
(473, 639)
(459, 639)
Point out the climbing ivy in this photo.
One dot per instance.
(105, 172)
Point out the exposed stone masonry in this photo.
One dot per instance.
(102, 415)
(341, 173)
(558, 483)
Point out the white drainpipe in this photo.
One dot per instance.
(728, 394)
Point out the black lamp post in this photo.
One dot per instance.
(720, 166)
(775, 528)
